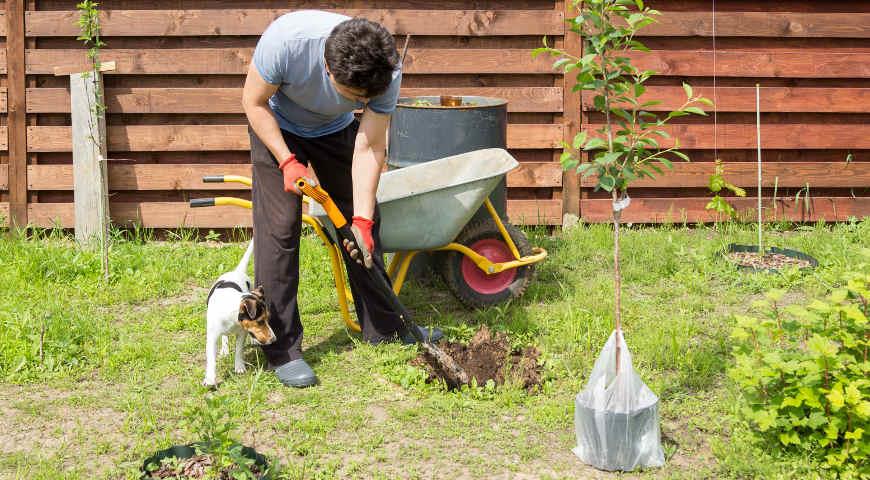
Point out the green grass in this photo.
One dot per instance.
(120, 361)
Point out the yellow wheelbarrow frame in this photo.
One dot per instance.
(397, 269)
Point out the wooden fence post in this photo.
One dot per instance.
(572, 111)
(90, 177)
(17, 112)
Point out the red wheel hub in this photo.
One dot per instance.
(495, 251)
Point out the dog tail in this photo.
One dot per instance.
(246, 258)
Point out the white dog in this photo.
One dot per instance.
(233, 308)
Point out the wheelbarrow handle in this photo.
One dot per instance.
(202, 202)
(213, 179)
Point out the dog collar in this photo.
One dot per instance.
(223, 284)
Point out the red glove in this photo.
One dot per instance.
(362, 249)
(292, 170)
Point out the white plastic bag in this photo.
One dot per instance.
(616, 417)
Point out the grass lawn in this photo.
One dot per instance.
(120, 362)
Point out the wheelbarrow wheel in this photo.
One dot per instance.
(473, 287)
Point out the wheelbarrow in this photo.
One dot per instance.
(427, 208)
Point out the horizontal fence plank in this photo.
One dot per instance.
(777, 136)
(179, 214)
(235, 61)
(744, 174)
(3, 23)
(4, 139)
(149, 177)
(773, 99)
(229, 100)
(3, 100)
(166, 23)
(3, 61)
(803, 63)
(174, 138)
(536, 175)
(4, 177)
(142, 177)
(806, 63)
(692, 210)
(535, 212)
(4, 214)
(146, 138)
(760, 24)
(146, 214)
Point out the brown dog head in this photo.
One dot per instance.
(254, 316)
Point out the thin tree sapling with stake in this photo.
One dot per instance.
(628, 147)
(758, 257)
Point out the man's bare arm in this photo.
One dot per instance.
(255, 101)
(369, 154)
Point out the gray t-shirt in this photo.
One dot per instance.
(290, 54)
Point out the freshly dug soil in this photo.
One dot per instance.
(488, 356)
(196, 466)
(773, 261)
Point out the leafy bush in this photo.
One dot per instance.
(804, 375)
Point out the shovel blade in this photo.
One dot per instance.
(455, 374)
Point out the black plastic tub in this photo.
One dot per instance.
(428, 128)
(188, 451)
(734, 248)
(421, 130)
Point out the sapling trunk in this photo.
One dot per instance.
(617, 279)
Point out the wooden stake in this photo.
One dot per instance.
(758, 130)
(90, 176)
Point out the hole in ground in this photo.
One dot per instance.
(488, 356)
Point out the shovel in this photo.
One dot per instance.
(456, 374)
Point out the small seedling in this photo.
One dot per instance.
(718, 183)
(212, 425)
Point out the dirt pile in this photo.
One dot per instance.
(488, 356)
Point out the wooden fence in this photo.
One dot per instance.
(174, 110)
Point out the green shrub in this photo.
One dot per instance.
(804, 375)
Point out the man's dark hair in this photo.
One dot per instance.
(362, 54)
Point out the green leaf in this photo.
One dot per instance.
(765, 419)
(594, 144)
(821, 346)
(580, 140)
(854, 435)
(716, 183)
(680, 154)
(707, 101)
(735, 189)
(688, 89)
(835, 396)
(558, 64)
(839, 295)
(607, 158)
(790, 438)
(816, 420)
(853, 394)
(809, 397)
(606, 182)
(695, 110)
(832, 432)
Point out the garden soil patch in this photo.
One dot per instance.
(488, 356)
(198, 466)
(770, 261)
